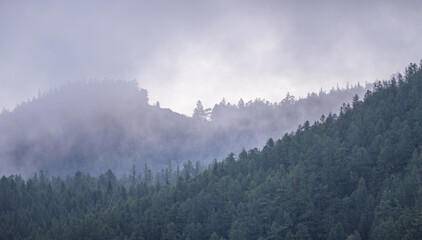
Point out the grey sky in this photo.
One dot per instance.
(182, 51)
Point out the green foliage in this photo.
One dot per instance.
(336, 233)
(352, 176)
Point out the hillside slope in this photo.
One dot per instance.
(356, 175)
(95, 126)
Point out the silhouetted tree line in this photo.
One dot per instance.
(355, 175)
(102, 125)
(231, 127)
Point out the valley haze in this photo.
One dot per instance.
(212, 119)
(94, 126)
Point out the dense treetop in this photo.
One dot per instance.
(355, 175)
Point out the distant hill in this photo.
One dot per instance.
(95, 126)
(92, 127)
(352, 175)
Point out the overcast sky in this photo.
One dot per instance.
(182, 51)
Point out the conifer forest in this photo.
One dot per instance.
(351, 174)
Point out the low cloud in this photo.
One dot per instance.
(193, 50)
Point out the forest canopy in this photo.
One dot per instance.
(100, 125)
(354, 175)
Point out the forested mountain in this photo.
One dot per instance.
(95, 126)
(355, 175)
(250, 124)
(92, 127)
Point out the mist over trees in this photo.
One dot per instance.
(99, 125)
(92, 127)
(250, 124)
(351, 175)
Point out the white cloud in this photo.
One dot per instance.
(188, 50)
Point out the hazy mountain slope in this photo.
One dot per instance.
(356, 175)
(93, 127)
(96, 126)
(247, 125)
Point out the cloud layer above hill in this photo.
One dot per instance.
(182, 51)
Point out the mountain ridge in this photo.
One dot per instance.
(100, 125)
(352, 175)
